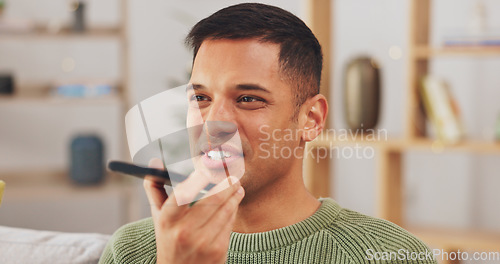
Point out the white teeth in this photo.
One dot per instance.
(218, 155)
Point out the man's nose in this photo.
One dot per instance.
(220, 129)
(219, 124)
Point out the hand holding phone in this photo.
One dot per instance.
(193, 234)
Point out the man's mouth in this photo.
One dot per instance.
(218, 152)
(218, 155)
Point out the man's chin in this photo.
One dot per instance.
(215, 176)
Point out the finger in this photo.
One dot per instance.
(204, 209)
(184, 193)
(222, 237)
(222, 221)
(155, 191)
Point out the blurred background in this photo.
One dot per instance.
(69, 71)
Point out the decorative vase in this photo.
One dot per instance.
(362, 93)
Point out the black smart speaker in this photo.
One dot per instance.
(87, 160)
(6, 84)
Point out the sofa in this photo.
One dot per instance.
(19, 245)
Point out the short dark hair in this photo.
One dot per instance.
(300, 55)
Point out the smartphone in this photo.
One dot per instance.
(141, 172)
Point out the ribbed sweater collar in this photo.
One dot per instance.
(264, 241)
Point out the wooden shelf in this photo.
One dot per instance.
(478, 147)
(401, 145)
(52, 196)
(398, 145)
(424, 52)
(54, 100)
(50, 183)
(44, 33)
(458, 239)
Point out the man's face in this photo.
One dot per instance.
(238, 82)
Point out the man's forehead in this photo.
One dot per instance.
(244, 50)
(243, 64)
(243, 43)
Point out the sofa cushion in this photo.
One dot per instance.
(18, 245)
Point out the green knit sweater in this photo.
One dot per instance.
(331, 235)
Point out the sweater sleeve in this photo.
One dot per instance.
(404, 246)
(107, 256)
(132, 243)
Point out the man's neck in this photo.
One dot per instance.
(273, 209)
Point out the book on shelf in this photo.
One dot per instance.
(497, 132)
(467, 42)
(83, 88)
(441, 109)
(466, 39)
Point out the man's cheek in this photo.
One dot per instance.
(194, 117)
(264, 152)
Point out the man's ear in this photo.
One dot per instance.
(314, 117)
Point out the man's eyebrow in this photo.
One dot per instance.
(251, 87)
(241, 87)
(195, 87)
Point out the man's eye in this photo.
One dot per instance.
(197, 97)
(251, 102)
(249, 99)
